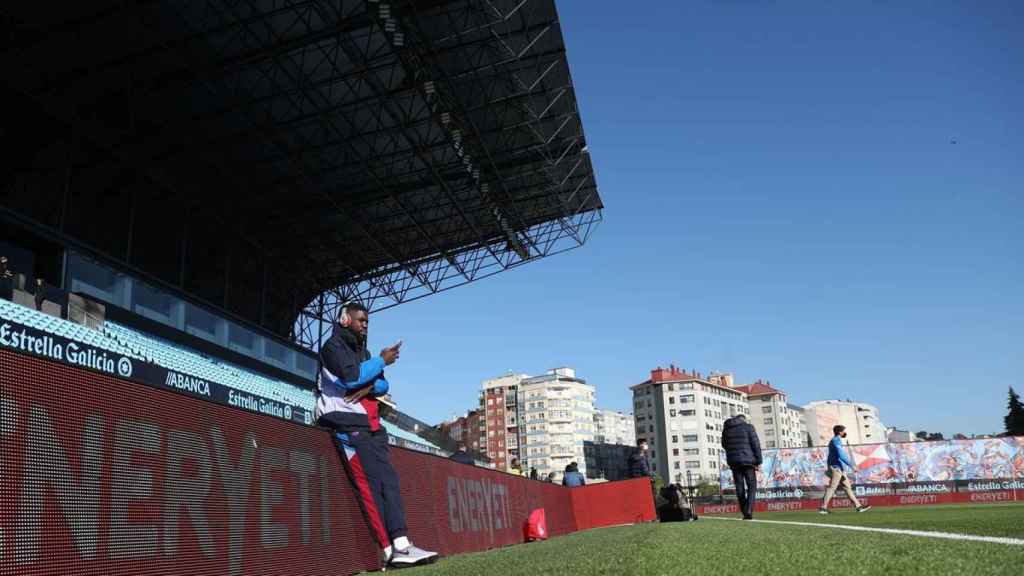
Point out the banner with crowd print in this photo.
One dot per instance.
(942, 466)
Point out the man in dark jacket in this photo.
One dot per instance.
(461, 456)
(743, 454)
(637, 462)
(349, 383)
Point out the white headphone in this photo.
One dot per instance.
(346, 320)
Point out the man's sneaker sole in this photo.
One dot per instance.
(401, 563)
(863, 508)
(424, 562)
(824, 512)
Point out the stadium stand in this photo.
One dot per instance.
(57, 326)
(124, 340)
(218, 179)
(406, 439)
(175, 357)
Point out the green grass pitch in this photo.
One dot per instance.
(714, 546)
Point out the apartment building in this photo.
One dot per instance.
(862, 421)
(778, 423)
(681, 415)
(614, 427)
(556, 419)
(499, 402)
(468, 430)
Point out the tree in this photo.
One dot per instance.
(923, 435)
(1015, 416)
(959, 436)
(935, 436)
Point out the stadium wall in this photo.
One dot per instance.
(989, 497)
(892, 466)
(101, 475)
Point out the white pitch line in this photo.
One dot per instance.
(942, 535)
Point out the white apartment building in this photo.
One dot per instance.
(778, 423)
(680, 415)
(896, 435)
(556, 415)
(614, 427)
(862, 422)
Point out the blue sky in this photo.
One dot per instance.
(783, 201)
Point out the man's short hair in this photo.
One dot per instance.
(641, 441)
(741, 415)
(838, 429)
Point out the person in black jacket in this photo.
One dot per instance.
(743, 454)
(461, 456)
(349, 384)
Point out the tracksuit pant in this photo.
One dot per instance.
(745, 478)
(365, 457)
(838, 478)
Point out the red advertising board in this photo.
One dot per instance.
(101, 476)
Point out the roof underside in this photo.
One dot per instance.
(378, 150)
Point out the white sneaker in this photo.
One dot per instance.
(411, 556)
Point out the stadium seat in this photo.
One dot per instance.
(138, 345)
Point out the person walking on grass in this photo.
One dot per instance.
(837, 464)
(743, 454)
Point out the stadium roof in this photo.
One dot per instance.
(373, 150)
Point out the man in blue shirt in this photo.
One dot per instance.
(838, 462)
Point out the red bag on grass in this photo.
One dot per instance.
(536, 527)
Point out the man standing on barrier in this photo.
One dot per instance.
(349, 383)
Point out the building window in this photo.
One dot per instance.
(687, 412)
(672, 413)
(766, 409)
(686, 399)
(675, 439)
(692, 464)
(769, 432)
(771, 443)
(675, 465)
(671, 399)
(689, 438)
(768, 421)
(692, 452)
(671, 387)
(712, 465)
(675, 451)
